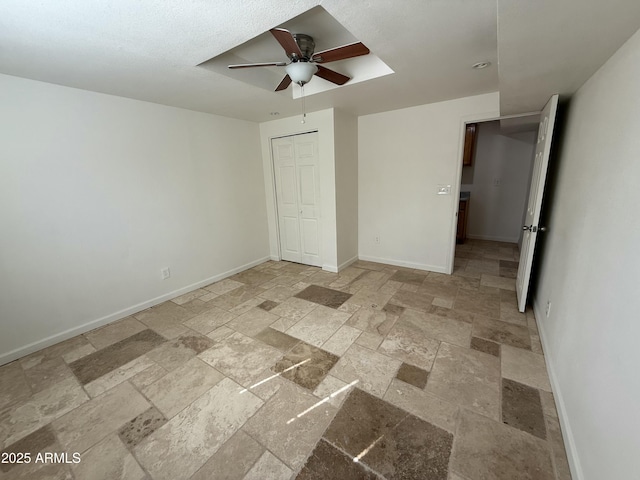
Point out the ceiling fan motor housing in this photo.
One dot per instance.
(307, 47)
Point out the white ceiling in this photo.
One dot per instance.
(150, 50)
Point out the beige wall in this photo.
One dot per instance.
(403, 156)
(99, 193)
(589, 273)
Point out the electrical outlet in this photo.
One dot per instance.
(547, 311)
(497, 182)
(444, 189)
(376, 239)
(165, 272)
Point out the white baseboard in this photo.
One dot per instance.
(402, 263)
(86, 327)
(567, 434)
(330, 268)
(494, 239)
(344, 265)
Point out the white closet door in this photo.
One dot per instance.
(298, 197)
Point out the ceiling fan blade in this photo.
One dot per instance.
(340, 53)
(286, 81)
(285, 38)
(334, 77)
(250, 65)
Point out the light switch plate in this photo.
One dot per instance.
(444, 189)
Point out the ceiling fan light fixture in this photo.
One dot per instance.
(301, 72)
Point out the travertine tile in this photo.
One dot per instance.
(491, 267)
(23, 418)
(293, 309)
(373, 321)
(393, 309)
(223, 286)
(136, 430)
(182, 445)
(498, 282)
(268, 305)
(14, 384)
(488, 449)
(327, 462)
(52, 352)
(252, 322)
(279, 293)
(246, 306)
(240, 357)
(165, 319)
(370, 340)
(372, 299)
(38, 441)
(208, 321)
(410, 277)
(268, 466)
(233, 460)
(175, 353)
(277, 339)
(47, 373)
(88, 424)
(548, 404)
(502, 332)
(558, 451)
(413, 300)
(477, 302)
(314, 364)
(318, 325)
(422, 404)
(333, 389)
(412, 375)
(180, 387)
(76, 354)
(117, 376)
(445, 293)
(522, 409)
(373, 371)
(323, 296)
(108, 460)
(468, 378)
(288, 425)
(436, 327)
(236, 297)
(220, 333)
(187, 297)
(408, 343)
(148, 376)
(486, 346)
(97, 364)
(322, 278)
(442, 302)
(252, 277)
(525, 367)
(340, 341)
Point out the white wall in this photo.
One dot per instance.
(98, 193)
(589, 272)
(323, 123)
(403, 156)
(346, 151)
(495, 211)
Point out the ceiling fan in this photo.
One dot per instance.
(304, 62)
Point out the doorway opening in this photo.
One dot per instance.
(497, 170)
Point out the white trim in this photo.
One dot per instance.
(328, 268)
(344, 265)
(275, 258)
(493, 239)
(567, 434)
(402, 263)
(473, 118)
(72, 332)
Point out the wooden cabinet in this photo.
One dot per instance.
(463, 213)
(469, 144)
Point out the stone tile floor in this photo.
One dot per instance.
(285, 371)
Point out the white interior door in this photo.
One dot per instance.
(298, 197)
(531, 227)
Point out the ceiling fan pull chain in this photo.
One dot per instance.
(304, 112)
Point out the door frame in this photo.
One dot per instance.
(274, 187)
(455, 190)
